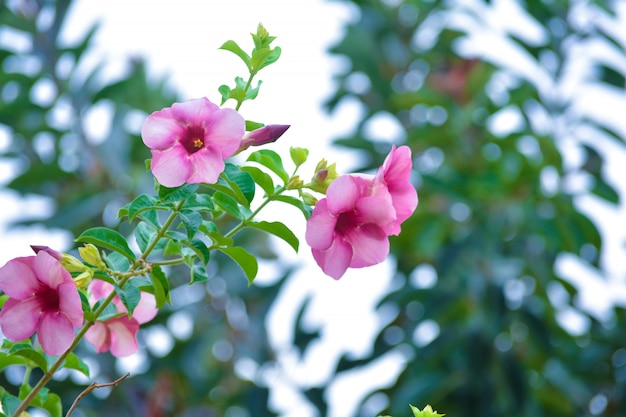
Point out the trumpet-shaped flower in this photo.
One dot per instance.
(119, 334)
(190, 141)
(43, 299)
(347, 228)
(394, 174)
(350, 228)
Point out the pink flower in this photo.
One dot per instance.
(191, 140)
(350, 228)
(347, 228)
(395, 174)
(119, 334)
(42, 298)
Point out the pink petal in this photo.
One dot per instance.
(320, 228)
(161, 130)
(100, 289)
(206, 165)
(69, 303)
(342, 194)
(172, 167)
(334, 261)
(20, 318)
(18, 280)
(99, 336)
(194, 112)
(224, 131)
(370, 245)
(123, 336)
(55, 333)
(375, 209)
(146, 309)
(49, 271)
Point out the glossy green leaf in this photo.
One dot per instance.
(10, 403)
(199, 202)
(130, 296)
(278, 229)
(270, 160)
(161, 286)
(228, 204)
(32, 355)
(117, 262)
(175, 194)
(198, 274)
(240, 180)
(244, 259)
(233, 47)
(139, 204)
(74, 362)
(262, 178)
(107, 238)
(192, 221)
(144, 235)
(8, 360)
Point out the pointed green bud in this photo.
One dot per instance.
(91, 255)
(299, 155)
(309, 199)
(83, 279)
(324, 175)
(73, 264)
(294, 183)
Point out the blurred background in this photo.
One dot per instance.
(505, 293)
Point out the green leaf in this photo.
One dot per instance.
(200, 249)
(139, 204)
(244, 259)
(263, 179)
(224, 91)
(33, 356)
(298, 155)
(278, 229)
(198, 274)
(219, 240)
(426, 412)
(296, 202)
(117, 262)
(169, 195)
(107, 238)
(144, 235)
(232, 46)
(270, 160)
(258, 58)
(199, 202)
(53, 405)
(241, 181)
(130, 296)
(192, 221)
(74, 362)
(10, 403)
(8, 360)
(228, 204)
(252, 93)
(161, 286)
(172, 247)
(250, 125)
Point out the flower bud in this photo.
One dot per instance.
(294, 183)
(298, 155)
(309, 199)
(83, 279)
(91, 255)
(324, 175)
(55, 254)
(262, 136)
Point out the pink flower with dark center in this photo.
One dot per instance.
(119, 334)
(395, 174)
(347, 228)
(43, 299)
(190, 141)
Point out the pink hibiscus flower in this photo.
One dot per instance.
(347, 228)
(395, 174)
(190, 141)
(119, 334)
(43, 299)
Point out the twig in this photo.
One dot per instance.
(92, 387)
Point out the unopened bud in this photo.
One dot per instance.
(262, 136)
(91, 255)
(294, 183)
(309, 199)
(83, 279)
(324, 175)
(55, 254)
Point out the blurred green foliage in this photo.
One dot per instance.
(477, 319)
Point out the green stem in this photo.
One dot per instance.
(245, 221)
(57, 364)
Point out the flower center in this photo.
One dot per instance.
(346, 221)
(193, 139)
(48, 300)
